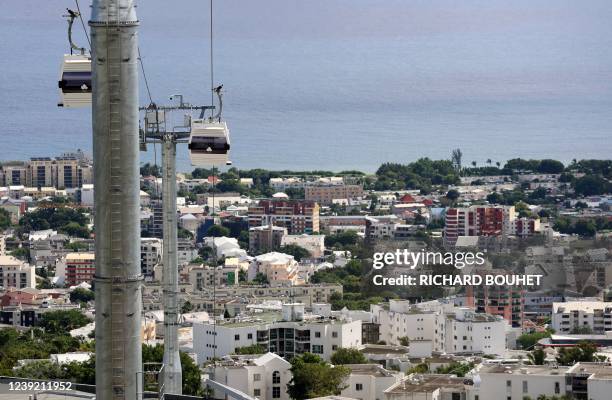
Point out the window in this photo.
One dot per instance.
(276, 392)
(317, 334)
(508, 383)
(256, 377)
(358, 387)
(236, 337)
(317, 349)
(334, 334)
(334, 347)
(525, 387)
(557, 388)
(250, 336)
(256, 392)
(276, 377)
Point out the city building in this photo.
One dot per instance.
(278, 268)
(15, 273)
(150, 255)
(327, 194)
(506, 301)
(262, 376)
(582, 317)
(342, 223)
(297, 216)
(77, 268)
(369, 381)
(288, 334)
(41, 171)
(201, 276)
(486, 220)
(430, 387)
(449, 329)
(265, 238)
(315, 244)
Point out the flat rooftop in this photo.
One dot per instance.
(427, 384)
(384, 349)
(517, 369)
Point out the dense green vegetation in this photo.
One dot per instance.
(80, 295)
(456, 368)
(583, 227)
(313, 377)
(348, 356)
(527, 340)
(296, 251)
(583, 352)
(253, 349)
(421, 174)
(62, 321)
(5, 219)
(66, 220)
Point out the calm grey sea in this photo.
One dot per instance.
(339, 84)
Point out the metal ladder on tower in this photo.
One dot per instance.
(118, 271)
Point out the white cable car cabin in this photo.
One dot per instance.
(209, 143)
(75, 81)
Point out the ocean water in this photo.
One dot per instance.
(342, 84)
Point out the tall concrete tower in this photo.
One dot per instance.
(118, 279)
(172, 375)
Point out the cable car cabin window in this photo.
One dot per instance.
(76, 82)
(210, 145)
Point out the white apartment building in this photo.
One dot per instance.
(593, 316)
(262, 376)
(150, 255)
(15, 273)
(502, 381)
(450, 329)
(369, 381)
(287, 334)
(592, 381)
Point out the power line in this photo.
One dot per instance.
(83, 23)
(144, 75)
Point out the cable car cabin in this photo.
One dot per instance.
(209, 143)
(75, 81)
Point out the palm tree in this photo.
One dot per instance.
(489, 161)
(474, 164)
(456, 157)
(498, 164)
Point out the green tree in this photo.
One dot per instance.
(583, 352)
(590, 185)
(528, 340)
(348, 356)
(62, 321)
(452, 195)
(404, 340)
(261, 279)
(217, 231)
(296, 251)
(186, 307)
(5, 219)
(192, 384)
(81, 295)
(313, 377)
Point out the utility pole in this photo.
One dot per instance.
(118, 279)
(155, 132)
